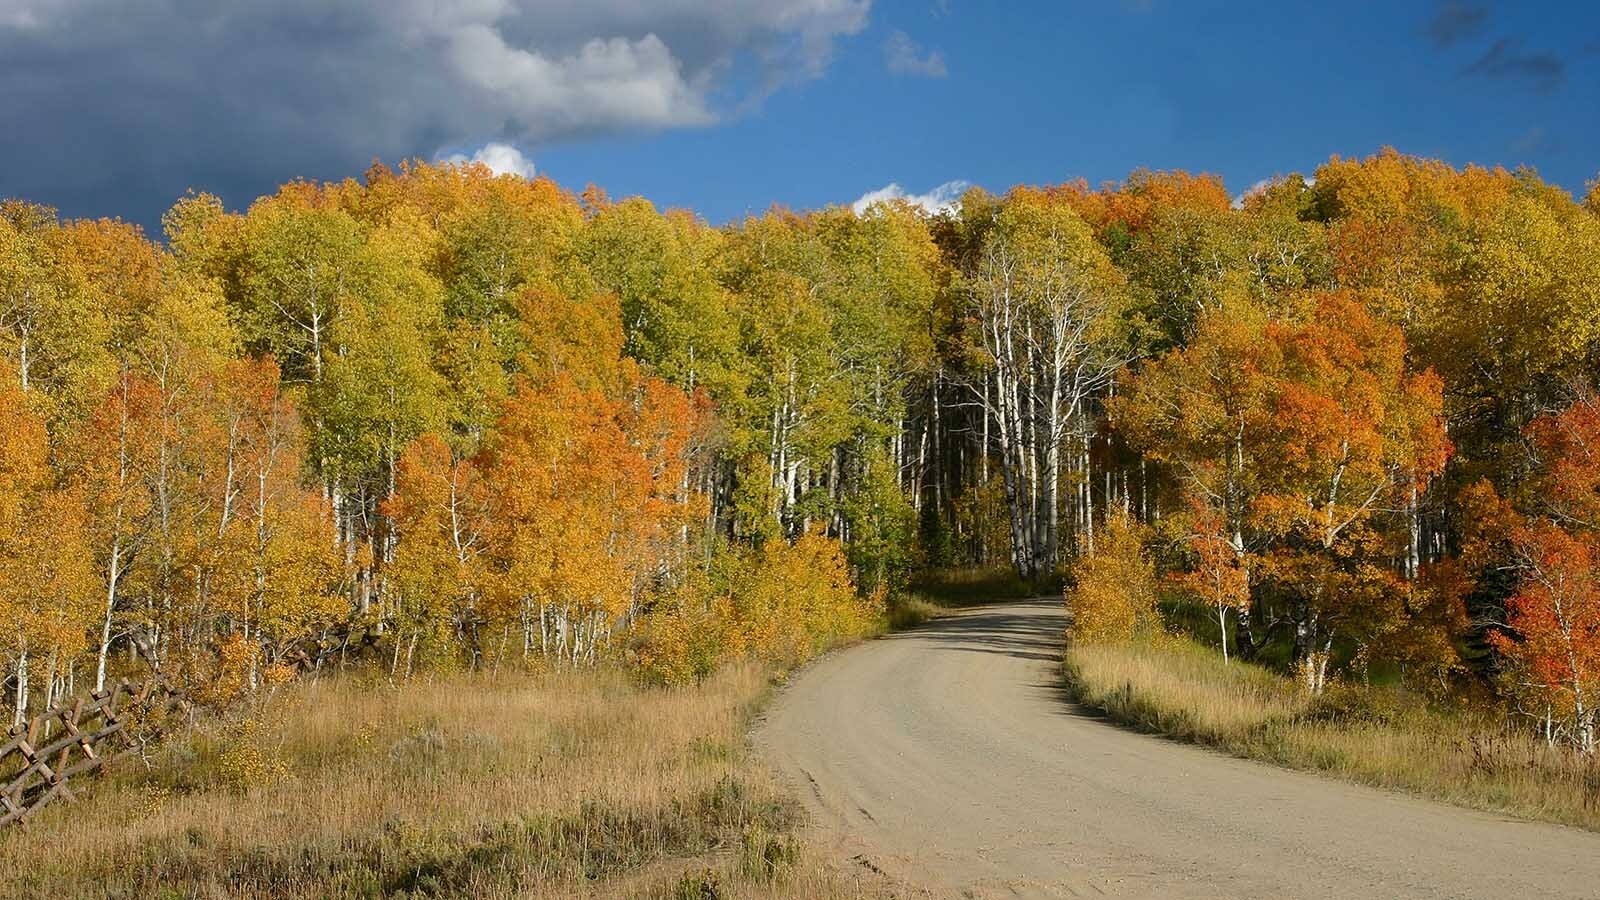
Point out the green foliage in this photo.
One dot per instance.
(881, 525)
(965, 586)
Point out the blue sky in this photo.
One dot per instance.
(728, 107)
(1045, 92)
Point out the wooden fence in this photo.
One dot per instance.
(74, 740)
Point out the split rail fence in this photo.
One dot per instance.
(71, 743)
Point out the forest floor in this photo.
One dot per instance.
(563, 784)
(952, 757)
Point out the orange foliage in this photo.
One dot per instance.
(1348, 426)
(589, 489)
(47, 592)
(1567, 446)
(436, 581)
(1552, 641)
(1219, 577)
(1132, 204)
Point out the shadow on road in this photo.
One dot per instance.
(1028, 629)
(1025, 629)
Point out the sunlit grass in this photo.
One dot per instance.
(965, 586)
(936, 593)
(556, 785)
(1372, 735)
(911, 610)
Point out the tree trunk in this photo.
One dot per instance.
(105, 625)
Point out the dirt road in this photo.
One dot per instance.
(949, 758)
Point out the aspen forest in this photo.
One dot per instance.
(432, 420)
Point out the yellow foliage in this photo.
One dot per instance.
(783, 603)
(47, 589)
(793, 600)
(229, 676)
(246, 761)
(687, 637)
(1113, 593)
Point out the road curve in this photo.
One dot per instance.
(949, 758)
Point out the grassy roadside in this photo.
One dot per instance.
(556, 785)
(936, 593)
(1371, 735)
(559, 784)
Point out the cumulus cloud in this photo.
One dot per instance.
(130, 101)
(905, 56)
(941, 199)
(502, 159)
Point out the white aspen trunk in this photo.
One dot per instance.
(112, 575)
(1051, 487)
(20, 701)
(50, 684)
(1088, 498)
(938, 458)
(983, 448)
(917, 474)
(1144, 492)
(563, 635)
(1414, 545)
(1222, 629)
(24, 338)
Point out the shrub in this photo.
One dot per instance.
(793, 600)
(686, 636)
(1113, 593)
(765, 855)
(782, 603)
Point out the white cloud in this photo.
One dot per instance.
(1263, 184)
(905, 56)
(1251, 191)
(608, 83)
(1532, 141)
(502, 159)
(941, 199)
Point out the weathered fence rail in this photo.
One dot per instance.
(74, 740)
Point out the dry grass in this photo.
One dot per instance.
(956, 587)
(936, 593)
(557, 785)
(911, 610)
(1372, 735)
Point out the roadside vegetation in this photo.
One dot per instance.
(555, 784)
(1129, 656)
(1376, 735)
(934, 593)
